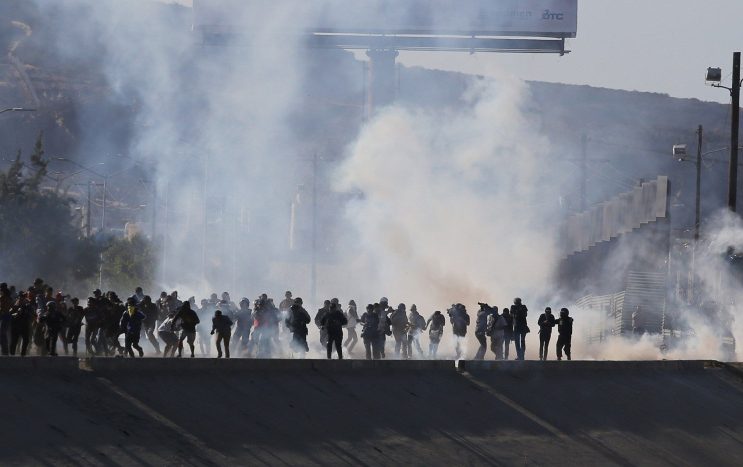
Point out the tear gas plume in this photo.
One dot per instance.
(452, 205)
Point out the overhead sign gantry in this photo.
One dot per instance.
(384, 27)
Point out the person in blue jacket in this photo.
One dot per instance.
(131, 325)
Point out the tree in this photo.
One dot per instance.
(38, 237)
(128, 263)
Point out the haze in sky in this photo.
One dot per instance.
(660, 46)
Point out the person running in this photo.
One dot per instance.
(545, 322)
(131, 325)
(21, 322)
(481, 329)
(460, 319)
(93, 322)
(296, 323)
(333, 322)
(497, 327)
(564, 333)
(370, 331)
(352, 317)
(520, 327)
(399, 319)
(243, 326)
(188, 320)
(507, 332)
(222, 325)
(6, 303)
(75, 315)
(151, 313)
(53, 321)
(435, 325)
(168, 332)
(318, 322)
(417, 324)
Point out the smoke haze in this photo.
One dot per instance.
(451, 205)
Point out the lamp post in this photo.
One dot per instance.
(679, 152)
(714, 76)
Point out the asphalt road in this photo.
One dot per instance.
(109, 411)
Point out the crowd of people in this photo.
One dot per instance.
(38, 320)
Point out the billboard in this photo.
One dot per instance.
(528, 18)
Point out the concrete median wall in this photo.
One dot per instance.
(317, 412)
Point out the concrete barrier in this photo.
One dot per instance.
(112, 364)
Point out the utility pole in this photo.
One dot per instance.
(313, 265)
(103, 213)
(697, 206)
(733, 168)
(583, 171)
(87, 212)
(205, 209)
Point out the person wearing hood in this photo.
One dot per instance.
(131, 325)
(222, 325)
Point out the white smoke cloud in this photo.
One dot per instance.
(451, 206)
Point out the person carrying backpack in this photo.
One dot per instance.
(415, 329)
(497, 328)
(565, 333)
(399, 320)
(296, 323)
(435, 325)
(459, 322)
(333, 323)
(370, 332)
(188, 320)
(222, 325)
(481, 329)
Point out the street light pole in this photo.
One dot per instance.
(313, 266)
(733, 168)
(697, 206)
(87, 212)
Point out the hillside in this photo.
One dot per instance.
(630, 133)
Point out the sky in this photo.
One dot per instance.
(660, 46)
